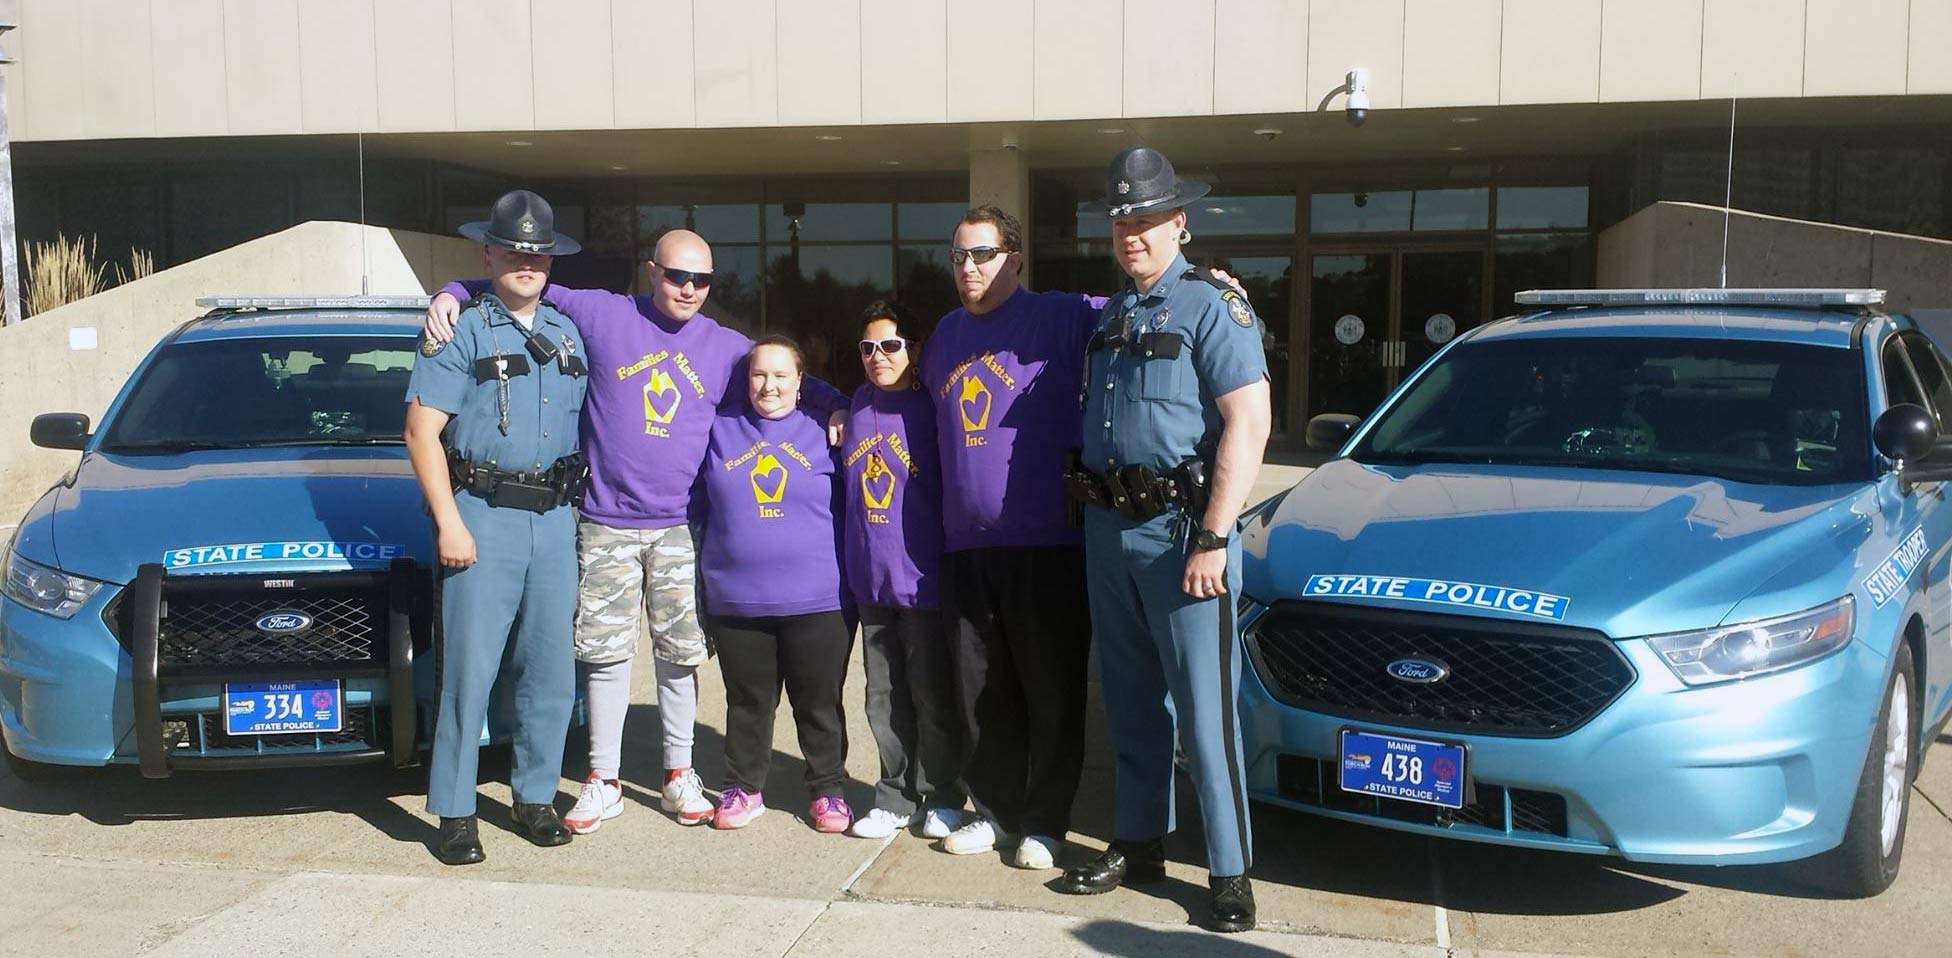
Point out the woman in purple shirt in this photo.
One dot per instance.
(770, 568)
(892, 531)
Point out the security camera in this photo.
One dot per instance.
(1362, 200)
(1358, 108)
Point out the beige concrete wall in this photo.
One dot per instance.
(1680, 245)
(44, 374)
(100, 69)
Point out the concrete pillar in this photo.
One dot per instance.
(1002, 177)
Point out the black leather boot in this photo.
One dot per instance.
(1233, 904)
(539, 823)
(1124, 863)
(459, 843)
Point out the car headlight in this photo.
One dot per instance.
(45, 589)
(1744, 649)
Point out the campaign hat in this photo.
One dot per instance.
(521, 221)
(1141, 180)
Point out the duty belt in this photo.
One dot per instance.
(538, 491)
(1138, 492)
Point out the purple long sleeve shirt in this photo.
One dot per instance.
(1006, 386)
(769, 545)
(656, 384)
(892, 527)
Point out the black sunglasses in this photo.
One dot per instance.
(679, 277)
(889, 346)
(981, 254)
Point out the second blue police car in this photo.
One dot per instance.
(237, 571)
(1658, 574)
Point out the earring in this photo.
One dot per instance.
(1185, 236)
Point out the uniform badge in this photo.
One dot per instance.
(1159, 322)
(429, 346)
(1237, 307)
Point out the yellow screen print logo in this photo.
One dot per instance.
(877, 484)
(975, 404)
(661, 398)
(768, 478)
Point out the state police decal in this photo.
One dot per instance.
(1237, 307)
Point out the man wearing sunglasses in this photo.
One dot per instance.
(660, 370)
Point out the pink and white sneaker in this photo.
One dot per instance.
(684, 797)
(831, 815)
(600, 802)
(737, 808)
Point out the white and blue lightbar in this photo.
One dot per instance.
(1811, 296)
(313, 302)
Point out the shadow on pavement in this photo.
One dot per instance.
(642, 771)
(1119, 939)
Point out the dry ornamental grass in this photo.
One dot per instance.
(65, 270)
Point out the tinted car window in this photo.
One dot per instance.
(1931, 374)
(1899, 384)
(265, 391)
(1747, 411)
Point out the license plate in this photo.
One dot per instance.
(282, 708)
(1407, 769)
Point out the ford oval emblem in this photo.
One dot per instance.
(283, 621)
(1418, 671)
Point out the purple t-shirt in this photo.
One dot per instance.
(770, 547)
(893, 524)
(1006, 386)
(655, 387)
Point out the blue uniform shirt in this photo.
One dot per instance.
(544, 404)
(1157, 411)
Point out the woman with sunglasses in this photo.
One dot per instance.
(892, 531)
(772, 586)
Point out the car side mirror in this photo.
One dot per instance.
(59, 430)
(1905, 433)
(1328, 431)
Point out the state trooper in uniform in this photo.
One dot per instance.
(1176, 421)
(491, 428)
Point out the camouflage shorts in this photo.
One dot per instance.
(628, 573)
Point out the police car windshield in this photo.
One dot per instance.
(236, 393)
(1761, 412)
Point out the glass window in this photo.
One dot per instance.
(925, 283)
(736, 295)
(830, 221)
(1541, 207)
(277, 391)
(1931, 375)
(1243, 216)
(1452, 209)
(717, 222)
(930, 222)
(1359, 212)
(1539, 261)
(1760, 412)
(816, 295)
(211, 213)
(1899, 385)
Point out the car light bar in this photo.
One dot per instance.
(313, 302)
(1708, 297)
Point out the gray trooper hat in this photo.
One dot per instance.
(1141, 180)
(521, 221)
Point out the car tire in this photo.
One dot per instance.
(1867, 861)
(39, 773)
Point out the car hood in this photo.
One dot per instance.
(249, 510)
(1628, 553)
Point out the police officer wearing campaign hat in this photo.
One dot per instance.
(491, 429)
(1176, 419)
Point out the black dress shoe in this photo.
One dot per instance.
(539, 823)
(459, 843)
(1124, 863)
(1233, 904)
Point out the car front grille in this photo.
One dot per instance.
(1504, 678)
(1310, 781)
(221, 628)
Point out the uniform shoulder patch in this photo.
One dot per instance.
(1237, 308)
(429, 346)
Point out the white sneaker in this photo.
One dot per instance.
(973, 838)
(879, 823)
(684, 796)
(1036, 851)
(939, 822)
(600, 802)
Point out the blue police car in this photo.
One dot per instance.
(237, 572)
(1659, 574)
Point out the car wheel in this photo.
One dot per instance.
(1874, 840)
(37, 773)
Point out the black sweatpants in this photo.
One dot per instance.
(807, 654)
(1020, 626)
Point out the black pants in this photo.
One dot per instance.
(1020, 628)
(911, 709)
(808, 655)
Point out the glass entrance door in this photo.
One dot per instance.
(1443, 295)
(1376, 315)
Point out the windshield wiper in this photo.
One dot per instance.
(168, 445)
(326, 441)
(1420, 458)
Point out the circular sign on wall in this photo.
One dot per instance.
(1349, 329)
(1439, 328)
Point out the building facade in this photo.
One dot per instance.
(827, 147)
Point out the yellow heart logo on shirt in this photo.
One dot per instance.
(661, 386)
(877, 483)
(767, 470)
(975, 404)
